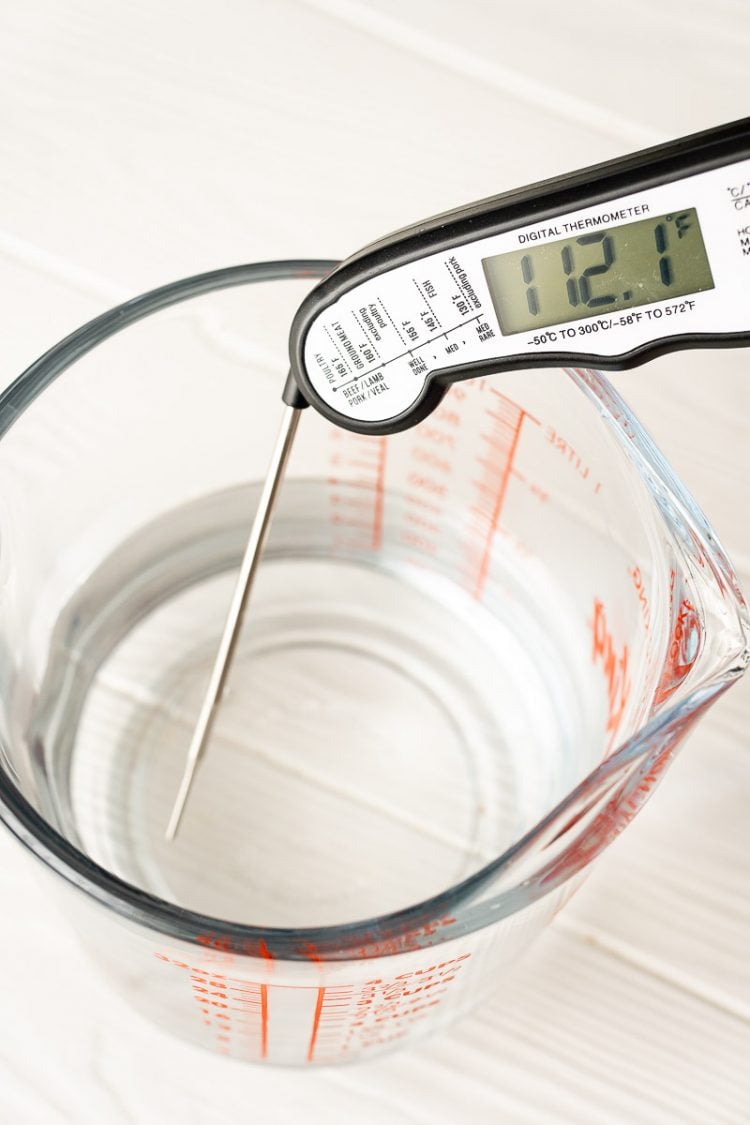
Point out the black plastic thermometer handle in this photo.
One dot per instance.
(355, 360)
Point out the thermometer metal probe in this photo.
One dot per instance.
(607, 267)
(240, 598)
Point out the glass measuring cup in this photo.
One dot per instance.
(472, 650)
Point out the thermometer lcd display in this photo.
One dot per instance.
(598, 271)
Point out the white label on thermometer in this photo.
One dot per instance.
(602, 281)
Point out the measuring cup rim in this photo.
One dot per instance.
(426, 923)
(449, 914)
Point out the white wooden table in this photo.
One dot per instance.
(144, 141)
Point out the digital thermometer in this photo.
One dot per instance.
(606, 267)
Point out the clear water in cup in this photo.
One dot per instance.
(383, 735)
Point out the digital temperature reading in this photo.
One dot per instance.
(601, 271)
(606, 267)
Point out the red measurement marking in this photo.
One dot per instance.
(640, 588)
(347, 521)
(310, 951)
(403, 941)
(380, 480)
(502, 418)
(346, 1018)
(220, 944)
(264, 1021)
(439, 437)
(264, 951)
(446, 416)
(368, 485)
(429, 471)
(614, 663)
(491, 468)
(377, 523)
(247, 1017)
(367, 465)
(429, 457)
(420, 542)
(316, 1023)
(492, 441)
(362, 458)
(427, 484)
(420, 502)
(421, 521)
(570, 455)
